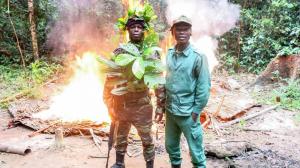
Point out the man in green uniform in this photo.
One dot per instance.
(187, 93)
(134, 106)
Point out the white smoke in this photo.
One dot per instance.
(83, 25)
(210, 19)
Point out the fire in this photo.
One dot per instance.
(82, 98)
(165, 45)
(131, 4)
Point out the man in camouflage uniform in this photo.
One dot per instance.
(134, 107)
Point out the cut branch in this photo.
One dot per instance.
(248, 116)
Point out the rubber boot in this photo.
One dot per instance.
(150, 164)
(119, 161)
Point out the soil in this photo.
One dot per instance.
(273, 139)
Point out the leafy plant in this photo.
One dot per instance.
(143, 65)
(289, 94)
(266, 29)
(41, 71)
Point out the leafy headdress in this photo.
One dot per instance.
(140, 61)
(145, 13)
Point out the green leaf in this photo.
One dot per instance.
(130, 48)
(151, 38)
(150, 51)
(131, 12)
(138, 68)
(154, 65)
(152, 80)
(124, 59)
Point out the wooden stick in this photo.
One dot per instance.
(249, 116)
(41, 130)
(97, 140)
(219, 107)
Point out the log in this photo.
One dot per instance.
(248, 116)
(16, 149)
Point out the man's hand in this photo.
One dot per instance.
(158, 117)
(195, 116)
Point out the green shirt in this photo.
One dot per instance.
(187, 81)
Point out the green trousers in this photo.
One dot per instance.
(175, 126)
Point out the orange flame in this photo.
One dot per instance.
(131, 4)
(165, 45)
(82, 98)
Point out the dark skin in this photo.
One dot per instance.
(182, 33)
(136, 33)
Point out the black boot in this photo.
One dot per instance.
(176, 166)
(150, 164)
(119, 161)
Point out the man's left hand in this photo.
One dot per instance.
(158, 117)
(195, 116)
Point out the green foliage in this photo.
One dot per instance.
(142, 64)
(242, 123)
(145, 13)
(289, 94)
(15, 79)
(266, 29)
(41, 71)
(288, 91)
(19, 15)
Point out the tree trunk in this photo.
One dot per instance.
(33, 30)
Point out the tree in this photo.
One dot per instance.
(33, 30)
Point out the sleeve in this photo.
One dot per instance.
(160, 95)
(203, 84)
(160, 92)
(107, 96)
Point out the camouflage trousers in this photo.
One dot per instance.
(142, 121)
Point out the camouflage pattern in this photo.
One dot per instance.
(133, 108)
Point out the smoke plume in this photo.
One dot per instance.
(83, 25)
(210, 19)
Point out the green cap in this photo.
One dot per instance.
(182, 19)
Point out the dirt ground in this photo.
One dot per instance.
(275, 138)
(273, 141)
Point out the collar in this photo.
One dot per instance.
(186, 51)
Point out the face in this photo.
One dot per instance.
(182, 33)
(136, 32)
